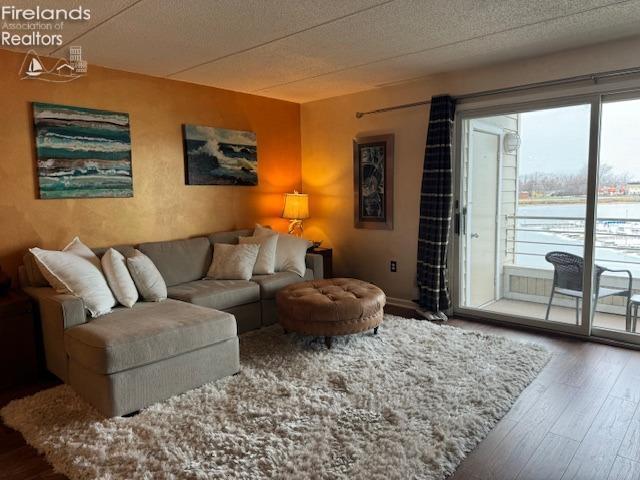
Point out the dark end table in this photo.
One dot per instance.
(327, 259)
(18, 340)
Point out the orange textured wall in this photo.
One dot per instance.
(163, 207)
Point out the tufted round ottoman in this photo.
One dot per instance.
(330, 307)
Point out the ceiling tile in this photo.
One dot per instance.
(390, 30)
(591, 27)
(160, 37)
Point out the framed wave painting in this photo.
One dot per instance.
(218, 156)
(82, 152)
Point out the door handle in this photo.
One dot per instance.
(464, 220)
(475, 235)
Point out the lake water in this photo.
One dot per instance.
(615, 242)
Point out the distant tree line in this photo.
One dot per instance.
(563, 184)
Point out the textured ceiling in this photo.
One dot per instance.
(303, 50)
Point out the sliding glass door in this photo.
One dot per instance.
(547, 215)
(522, 212)
(617, 222)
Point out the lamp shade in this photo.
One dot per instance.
(296, 206)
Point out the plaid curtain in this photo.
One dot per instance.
(435, 207)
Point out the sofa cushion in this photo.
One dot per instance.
(146, 333)
(125, 250)
(180, 261)
(229, 237)
(219, 294)
(270, 284)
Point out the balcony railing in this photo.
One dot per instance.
(617, 240)
(527, 276)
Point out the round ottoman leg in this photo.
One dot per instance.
(327, 341)
(375, 331)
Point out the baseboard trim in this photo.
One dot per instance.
(401, 307)
(401, 302)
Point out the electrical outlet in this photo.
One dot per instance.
(393, 266)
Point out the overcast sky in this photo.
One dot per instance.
(557, 140)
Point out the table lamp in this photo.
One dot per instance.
(296, 209)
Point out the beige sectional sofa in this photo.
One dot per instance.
(133, 357)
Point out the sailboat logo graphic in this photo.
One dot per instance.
(33, 67)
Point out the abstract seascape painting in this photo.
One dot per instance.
(82, 152)
(373, 182)
(218, 156)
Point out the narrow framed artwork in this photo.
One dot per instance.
(219, 156)
(373, 182)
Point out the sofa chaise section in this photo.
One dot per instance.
(146, 333)
(131, 358)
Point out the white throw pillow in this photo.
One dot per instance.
(75, 247)
(266, 261)
(290, 251)
(261, 231)
(80, 249)
(233, 262)
(147, 278)
(114, 267)
(78, 276)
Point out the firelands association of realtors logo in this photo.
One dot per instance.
(41, 29)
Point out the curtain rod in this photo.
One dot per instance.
(593, 77)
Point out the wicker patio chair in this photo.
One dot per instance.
(568, 272)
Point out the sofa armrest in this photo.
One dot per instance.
(57, 313)
(316, 263)
(63, 309)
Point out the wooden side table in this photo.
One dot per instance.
(18, 358)
(327, 259)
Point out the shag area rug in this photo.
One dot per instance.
(409, 402)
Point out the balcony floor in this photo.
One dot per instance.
(558, 314)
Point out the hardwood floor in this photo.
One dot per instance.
(17, 459)
(579, 419)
